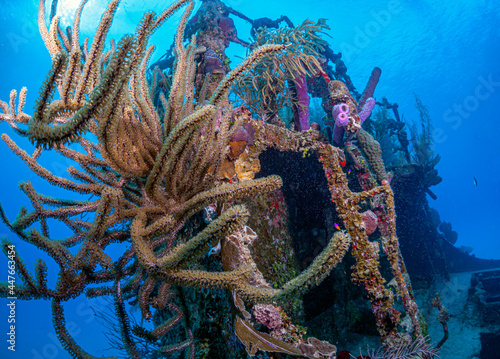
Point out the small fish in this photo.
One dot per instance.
(349, 171)
(215, 251)
(475, 181)
(342, 163)
(337, 226)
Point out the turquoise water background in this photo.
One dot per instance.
(447, 52)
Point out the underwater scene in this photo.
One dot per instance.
(250, 179)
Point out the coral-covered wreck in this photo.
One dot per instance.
(180, 170)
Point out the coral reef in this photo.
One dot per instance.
(153, 159)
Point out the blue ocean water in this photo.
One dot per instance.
(446, 52)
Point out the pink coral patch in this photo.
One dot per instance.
(371, 221)
(267, 315)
